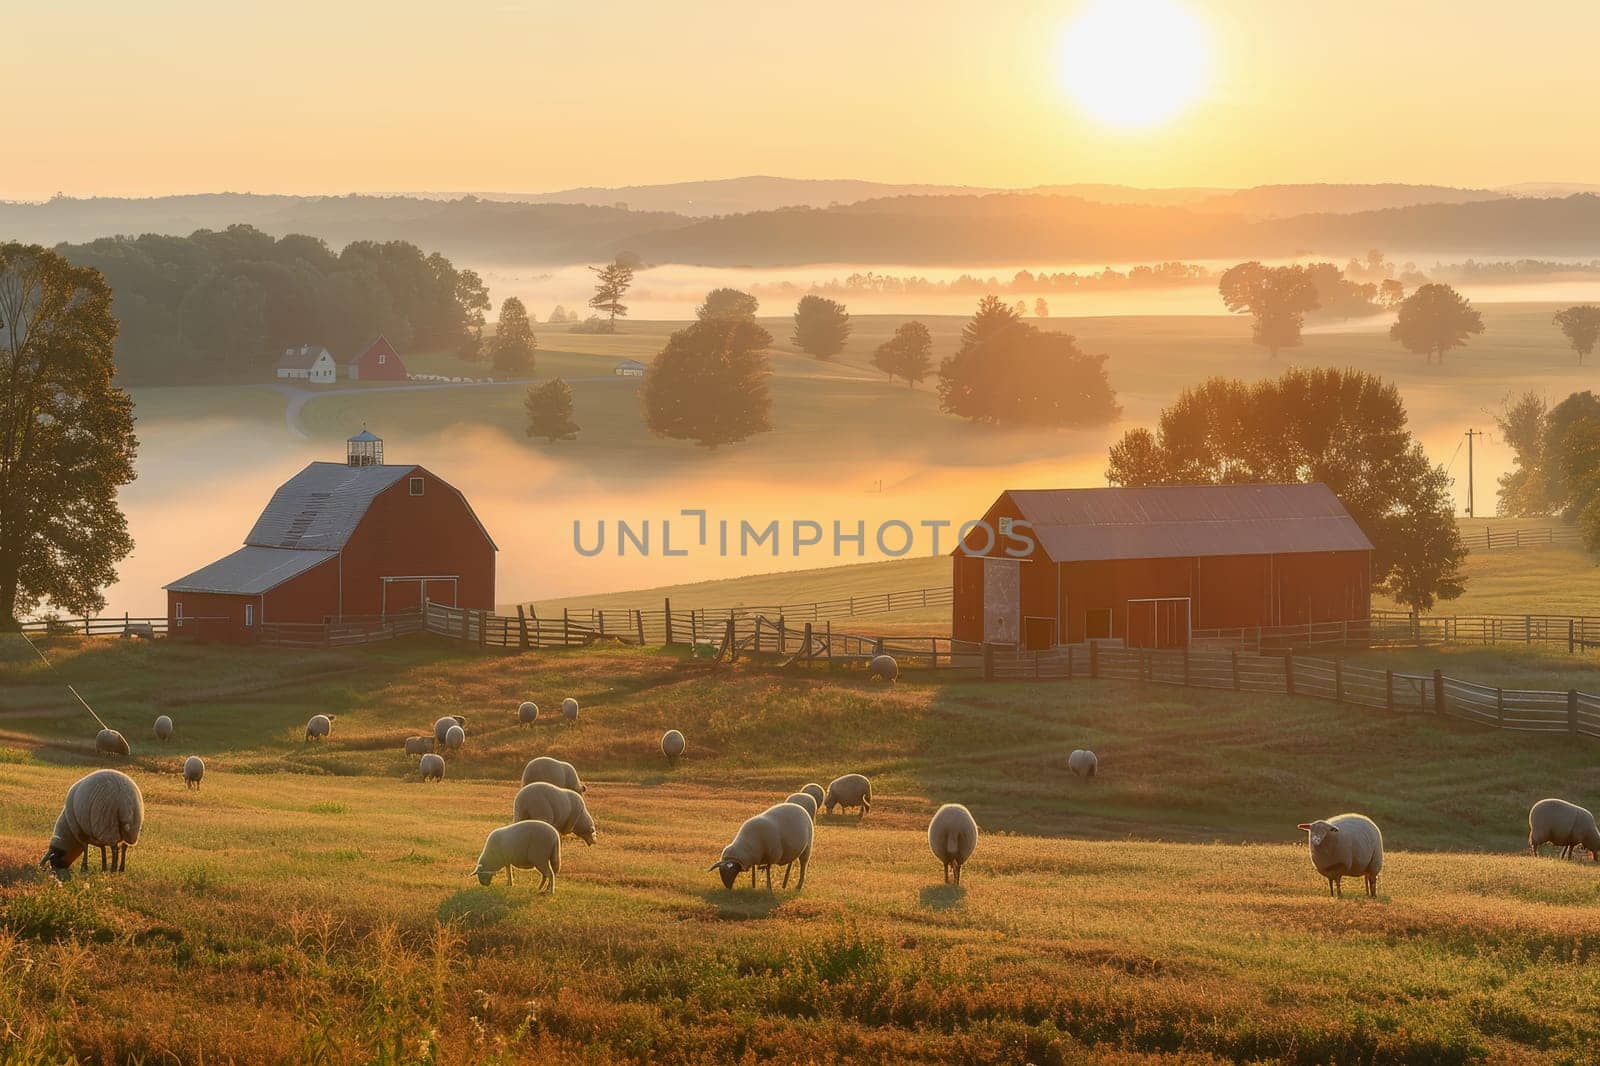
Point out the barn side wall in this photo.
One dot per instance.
(431, 535)
(309, 597)
(210, 616)
(1037, 582)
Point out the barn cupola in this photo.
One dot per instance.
(364, 449)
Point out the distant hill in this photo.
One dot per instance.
(1282, 201)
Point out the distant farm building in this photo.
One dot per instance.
(377, 362)
(339, 541)
(1151, 566)
(309, 362)
(629, 368)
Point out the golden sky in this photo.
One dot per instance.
(529, 95)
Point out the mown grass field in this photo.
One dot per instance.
(316, 897)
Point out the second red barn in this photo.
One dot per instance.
(378, 361)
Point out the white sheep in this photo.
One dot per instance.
(953, 836)
(1555, 821)
(524, 845)
(454, 737)
(816, 793)
(672, 745)
(569, 709)
(1346, 845)
(164, 728)
(194, 768)
(111, 742)
(527, 714)
(851, 790)
(561, 807)
(442, 726)
(418, 745)
(431, 767)
(806, 800)
(104, 809)
(778, 836)
(1083, 763)
(883, 668)
(320, 726)
(544, 768)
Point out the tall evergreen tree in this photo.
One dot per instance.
(611, 285)
(514, 343)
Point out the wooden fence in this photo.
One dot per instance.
(1495, 540)
(342, 633)
(126, 625)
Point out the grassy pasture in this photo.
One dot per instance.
(316, 896)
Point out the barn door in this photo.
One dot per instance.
(1158, 623)
(1002, 600)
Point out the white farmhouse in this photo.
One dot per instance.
(309, 362)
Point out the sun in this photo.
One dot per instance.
(1134, 63)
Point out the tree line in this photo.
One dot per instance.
(1556, 460)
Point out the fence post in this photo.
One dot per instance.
(877, 645)
(522, 627)
(1388, 690)
(483, 628)
(729, 642)
(1572, 710)
(668, 609)
(1527, 628)
(827, 635)
(1288, 671)
(807, 650)
(1233, 663)
(1571, 642)
(694, 629)
(602, 613)
(988, 661)
(1094, 658)
(1438, 692)
(1338, 681)
(638, 616)
(1500, 708)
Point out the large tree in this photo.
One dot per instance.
(1525, 490)
(1007, 372)
(66, 436)
(514, 343)
(1345, 428)
(821, 326)
(709, 384)
(549, 408)
(908, 353)
(1581, 326)
(611, 284)
(725, 303)
(1435, 319)
(1275, 298)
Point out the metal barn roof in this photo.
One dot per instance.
(1183, 521)
(320, 507)
(249, 571)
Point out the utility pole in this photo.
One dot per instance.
(1470, 434)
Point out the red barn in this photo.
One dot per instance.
(343, 540)
(377, 362)
(1150, 565)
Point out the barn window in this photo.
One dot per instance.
(383, 357)
(177, 612)
(249, 615)
(1005, 525)
(416, 486)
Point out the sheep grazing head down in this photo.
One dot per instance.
(484, 875)
(1319, 830)
(730, 870)
(58, 859)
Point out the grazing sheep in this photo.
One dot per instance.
(816, 793)
(525, 846)
(672, 745)
(105, 810)
(1083, 763)
(952, 834)
(569, 709)
(851, 790)
(454, 737)
(1555, 821)
(527, 714)
(111, 742)
(883, 668)
(320, 726)
(442, 726)
(431, 767)
(1346, 845)
(163, 728)
(194, 768)
(778, 836)
(561, 807)
(544, 768)
(418, 745)
(806, 800)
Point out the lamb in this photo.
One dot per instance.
(320, 726)
(561, 807)
(569, 709)
(111, 742)
(1555, 821)
(164, 728)
(431, 767)
(1083, 763)
(851, 790)
(883, 668)
(814, 790)
(418, 745)
(1346, 845)
(524, 845)
(778, 836)
(953, 835)
(672, 745)
(544, 768)
(454, 737)
(105, 810)
(442, 726)
(804, 799)
(527, 714)
(194, 768)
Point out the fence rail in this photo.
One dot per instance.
(1495, 540)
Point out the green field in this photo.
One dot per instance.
(316, 896)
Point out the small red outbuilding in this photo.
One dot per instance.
(1150, 566)
(378, 361)
(338, 541)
